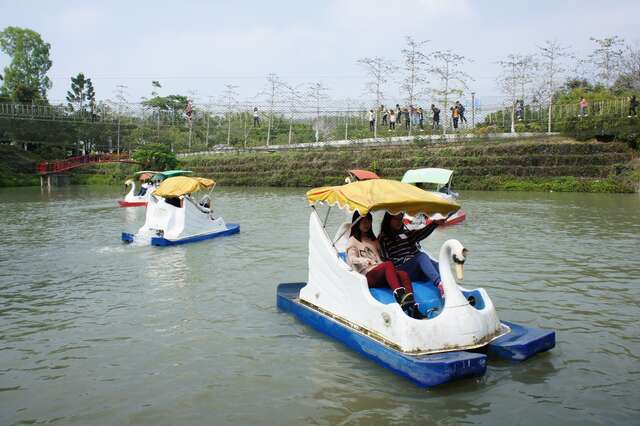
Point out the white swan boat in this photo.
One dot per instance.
(336, 300)
(138, 196)
(438, 182)
(149, 180)
(176, 215)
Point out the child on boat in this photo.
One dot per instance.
(400, 246)
(363, 255)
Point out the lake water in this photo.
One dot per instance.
(93, 331)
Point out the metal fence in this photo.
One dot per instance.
(245, 125)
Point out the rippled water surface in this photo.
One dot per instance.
(96, 332)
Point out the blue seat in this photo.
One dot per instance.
(426, 294)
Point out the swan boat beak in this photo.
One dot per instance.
(459, 264)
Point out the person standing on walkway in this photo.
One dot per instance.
(455, 116)
(461, 111)
(584, 106)
(633, 105)
(384, 115)
(421, 118)
(392, 120)
(256, 117)
(436, 117)
(398, 114)
(372, 120)
(407, 119)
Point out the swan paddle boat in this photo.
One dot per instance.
(460, 327)
(149, 180)
(137, 197)
(358, 174)
(436, 181)
(177, 213)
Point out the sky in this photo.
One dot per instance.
(195, 48)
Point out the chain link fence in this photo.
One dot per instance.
(243, 126)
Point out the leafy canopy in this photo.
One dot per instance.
(155, 156)
(25, 79)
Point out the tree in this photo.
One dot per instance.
(629, 78)
(377, 68)
(317, 93)
(155, 157)
(551, 53)
(81, 90)
(25, 79)
(91, 97)
(607, 57)
(447, 68)
(414, 64)
(508, 81)
(173, 103)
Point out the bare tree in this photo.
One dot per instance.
(415, 63)
(274, 84)
(607, 57)
(551, 54)
(526, 69)
(631, 67)
(230, 98)
(508, 80)
(317, 94)
(446, 66)
(378, 69)
(294, 97)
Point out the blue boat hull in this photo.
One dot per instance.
(522, 342)
(232, 228)
(425, 370)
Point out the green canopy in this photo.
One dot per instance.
(169, 173)
(428, 175)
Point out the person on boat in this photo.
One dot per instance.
(363, 255)
(401, 246)
(175, 201)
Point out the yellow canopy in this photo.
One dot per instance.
(181, 185)
(382, 194)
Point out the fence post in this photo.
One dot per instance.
(473, 110)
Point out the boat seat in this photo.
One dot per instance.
(426, 294)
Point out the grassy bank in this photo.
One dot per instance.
(546, 164)
(17, 167)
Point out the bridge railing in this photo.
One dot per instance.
(57, 166)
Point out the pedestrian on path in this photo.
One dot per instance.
(584, 107)
(436, 116)
(633, 105)
(256, 117)
(455, 116)
(372, 120)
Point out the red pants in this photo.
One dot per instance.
(386, 275)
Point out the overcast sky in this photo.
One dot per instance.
(199, 46)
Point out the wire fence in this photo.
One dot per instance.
(211, 126)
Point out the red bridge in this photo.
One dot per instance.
(59, 166)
